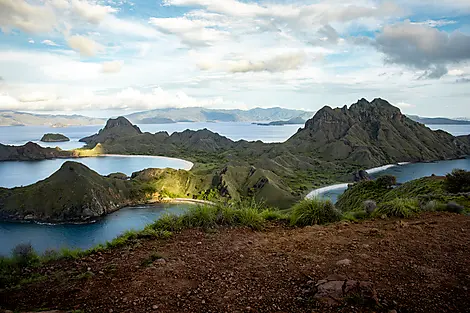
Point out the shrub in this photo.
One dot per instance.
(398, 208)
(314, 211)
(250, 217)
(24, 254)
(355, 216)
(454, 207)
(273, 215)
(169, 222)
(204, 216)
(431, 206)
(386, 181)
(458, 181)
(370, 206)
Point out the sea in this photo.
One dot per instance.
(44, 237)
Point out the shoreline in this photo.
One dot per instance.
(316, 192)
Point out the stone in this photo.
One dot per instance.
(344, 262)
(335, 290)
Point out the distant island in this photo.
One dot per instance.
(438, 120)
(294, 121)
(332, 146)
(54, 138)
(14, 118)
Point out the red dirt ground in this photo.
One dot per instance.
(417, 265)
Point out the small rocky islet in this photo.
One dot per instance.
(49, 137)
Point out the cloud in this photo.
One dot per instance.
(279, 63)
(328, 34)
(31, 41)
(423, 47)
(112, 67)
(93, 13)
(124, 99)
(404, 105)
(191, 32)
(28, 17)
(435, 23)
(85, 46)
(37, 96)
(49, 43)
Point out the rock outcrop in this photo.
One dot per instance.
(31, 151)
(372, 134)
(115, 128)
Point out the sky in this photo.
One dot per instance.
(102, 57)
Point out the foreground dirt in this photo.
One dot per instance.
(416, 265)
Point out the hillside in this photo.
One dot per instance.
(31, 151)
(114, 128)
(13, 118)
(73, 193)
(373, 134)
(216, 115)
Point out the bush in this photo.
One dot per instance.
(250, 217)
(431, 206)
(398, 208)
(314, 211)
(24, 254)
(355, 216)
(204, 216)
(454, 207)
(458, 181)
(370, 206)
(386, 181)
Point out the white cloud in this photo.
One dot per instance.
(191, 32)
(28, 17)
(279, 63)
(31, 41)
(84, 45)
(49, 42)
(112, 66)
(92, 12)
(404, 105)
(125, 99)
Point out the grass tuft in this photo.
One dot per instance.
(398, 207)
(314, 211)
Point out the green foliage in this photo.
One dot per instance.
(398, 208)
(453, 207)
(386, 181)
(369, 206)
(250, 217)
(458, 181)
(353, 198)
(355, 216)
(314, 211)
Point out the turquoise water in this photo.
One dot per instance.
(44, 237)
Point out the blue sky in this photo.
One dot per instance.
(119, 56)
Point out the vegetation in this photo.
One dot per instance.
(54, 138)
(458, 181)
(398, 208)
(314, 211)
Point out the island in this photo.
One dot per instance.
(294, 121)
(331, 148)
(54, 138)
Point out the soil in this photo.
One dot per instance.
(416, 265)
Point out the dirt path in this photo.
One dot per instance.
(418, 265)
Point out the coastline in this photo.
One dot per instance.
(316, 192)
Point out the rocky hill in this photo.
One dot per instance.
(31, 151)
(372, 134)
(115, 128)
(73, 193)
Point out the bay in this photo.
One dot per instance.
(55, 237)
